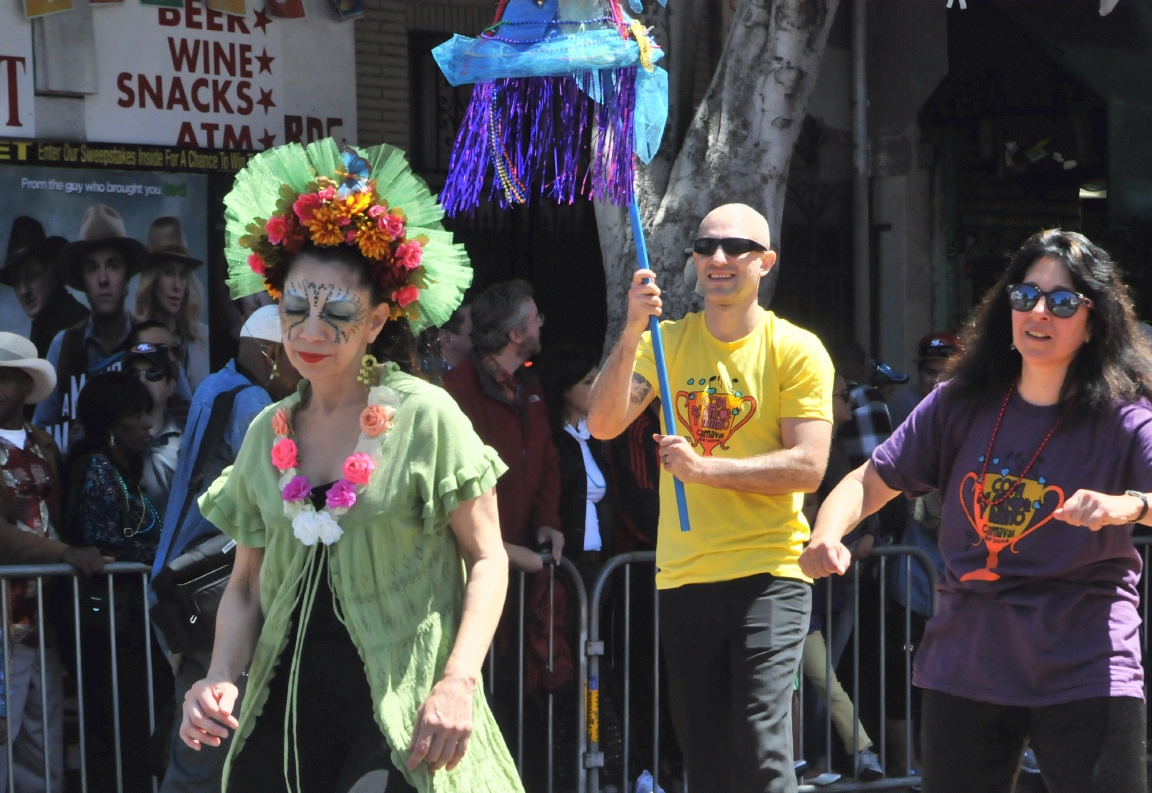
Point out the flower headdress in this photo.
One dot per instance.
(290, 197)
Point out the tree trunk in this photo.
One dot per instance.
(735, 150)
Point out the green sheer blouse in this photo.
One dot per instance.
(396, 573)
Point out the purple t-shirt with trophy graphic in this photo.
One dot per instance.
(1032, 611)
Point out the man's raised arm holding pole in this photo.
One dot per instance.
(752, 396)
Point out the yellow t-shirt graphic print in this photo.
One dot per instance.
(729, 398)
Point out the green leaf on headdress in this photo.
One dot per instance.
(248, 241)
(419, 278)
(287, 198)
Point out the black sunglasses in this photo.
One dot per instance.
(151, 375)
(1061, 303)
(733, 246)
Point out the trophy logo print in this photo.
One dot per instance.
(712, 416)
(1002, 525)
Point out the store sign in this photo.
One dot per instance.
(17, 81)
(189, 77)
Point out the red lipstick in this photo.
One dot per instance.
(312, 357)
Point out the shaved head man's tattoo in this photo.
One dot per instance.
(640, 390)
(337, 307)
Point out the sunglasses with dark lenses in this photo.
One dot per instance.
(1061, 303)
(151, 375)
(733, 246)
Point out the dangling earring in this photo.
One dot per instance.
(367, 371)
(275, 365)
(111, 441)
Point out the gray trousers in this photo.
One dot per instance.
(32, 727)
(191, 771)
(732, 650)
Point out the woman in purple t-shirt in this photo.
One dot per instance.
(1040, 443)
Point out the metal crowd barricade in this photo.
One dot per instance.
(39, 573)
(575, 587)
(593, 757)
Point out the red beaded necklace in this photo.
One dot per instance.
(988, 454)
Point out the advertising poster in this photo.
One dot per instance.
(17, 79)
(59, 198)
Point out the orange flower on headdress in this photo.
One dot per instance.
(325, 226)
(373, 241)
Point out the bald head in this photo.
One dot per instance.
(736, 220)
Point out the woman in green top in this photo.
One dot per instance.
(369, 573)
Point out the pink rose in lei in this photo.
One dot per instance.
(297, 489)
(358, 468)
(341, 495)
(284, 454)
(376, 211)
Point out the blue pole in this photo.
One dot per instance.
(666, 395)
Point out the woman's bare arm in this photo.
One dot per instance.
(444, 721)
(861, 493)
(209, 704)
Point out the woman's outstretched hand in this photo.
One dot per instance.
(1096, 510)
(208, 715)
(443, 726)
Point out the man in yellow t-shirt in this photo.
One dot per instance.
(753, 399)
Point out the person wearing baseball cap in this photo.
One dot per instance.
(30, 269)
(259, 375)
(99, 263)
(932, 357)
(31, 496)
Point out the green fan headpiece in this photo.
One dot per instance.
(289, 198)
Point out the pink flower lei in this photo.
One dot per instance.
(308, 525)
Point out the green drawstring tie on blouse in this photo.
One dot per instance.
(311, 577)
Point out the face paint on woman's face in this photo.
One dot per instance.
(336, 307)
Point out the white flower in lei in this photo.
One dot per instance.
(308, 525)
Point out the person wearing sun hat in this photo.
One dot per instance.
(31, 494)
(30, 269)
(369, 572)
(99, 263)
(169, 293)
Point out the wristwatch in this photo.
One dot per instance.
(1144, 499)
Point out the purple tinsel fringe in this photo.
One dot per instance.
(539, 131)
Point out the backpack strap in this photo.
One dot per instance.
(210, 443)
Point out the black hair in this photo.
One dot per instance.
(1115, 364)
(105, 399)
(561, 368)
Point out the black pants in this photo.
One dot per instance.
(732, 650)
(1089, 746)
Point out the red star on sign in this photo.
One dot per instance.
(269, 139)
(266, 100)
(262, 21)
(265, 61)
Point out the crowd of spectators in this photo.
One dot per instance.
(146, 428)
